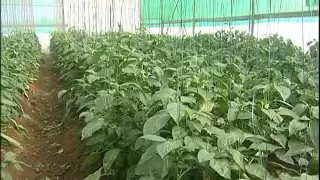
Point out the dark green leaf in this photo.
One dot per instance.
(264, 147)
(153, 138)
(258, 170)
(91, 160)
(61, 93)
(273, 115)
(155, 123)
(178, 133)
(237, 157)
(298, 149)
(109, 158)
(91, 127)
(166, 147)
(299, 108)
(280, 138)
(314, 133)
(176, 111)
(222, 167)
(283, 91)
(287, 112)
(204, 155)
(296, 126)
(94, 176)
(232, 114)
(281, 155)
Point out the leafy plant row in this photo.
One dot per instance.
(20, 56)
(220, 106)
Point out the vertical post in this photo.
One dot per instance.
(63, 17)
(161, 16)
(194, 17)
(140, 14)
(252, 16)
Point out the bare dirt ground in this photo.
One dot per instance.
(52, 150)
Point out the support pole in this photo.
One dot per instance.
(161, 16)
(252, 16)
(194, 17)
(63, 17)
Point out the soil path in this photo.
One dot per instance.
(51, 149)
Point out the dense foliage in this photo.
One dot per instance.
(20, 56)
(221, 106)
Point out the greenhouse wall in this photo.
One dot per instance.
(49, 15)
(294, 19)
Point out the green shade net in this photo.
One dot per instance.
(174, 11)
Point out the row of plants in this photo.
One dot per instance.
(220, 106)
(20, 57)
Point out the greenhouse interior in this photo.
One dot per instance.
(159, 89)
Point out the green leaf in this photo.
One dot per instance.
(213, 130)
(273, 115)
(283, 91)
(264, 147)
(280, 138)
(5, 175)
(130, 173)
(91, 160)
(10, 157)
(91, 127)
(299, 108)
(18, 167)
(237, 157)
(245, 115)
(303, 76)
(227, 139)
(222, 167)
(155, 123)
(315, 111)
(11, 141)
(207, 106)
(94, 176)
(8, 102)
(176, 111)
(178, 133)
(163, 94)
(150, 152)
(145, 177)
(109, 158)
(153, 138)
(305, 176)
(206, 95)
(158, 167)
(91, 78)
(232, 114)
(204, 155)
(298, 149)
(61, 93)
(197, 125)
(281, 155)
(130, 70)
(258, 170)
(190, 143)
(188, 99)
(285, 176)
(166, 147)
(287, 112)
(296, 126)
(314, 133)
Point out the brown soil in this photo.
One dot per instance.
(52, 150)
